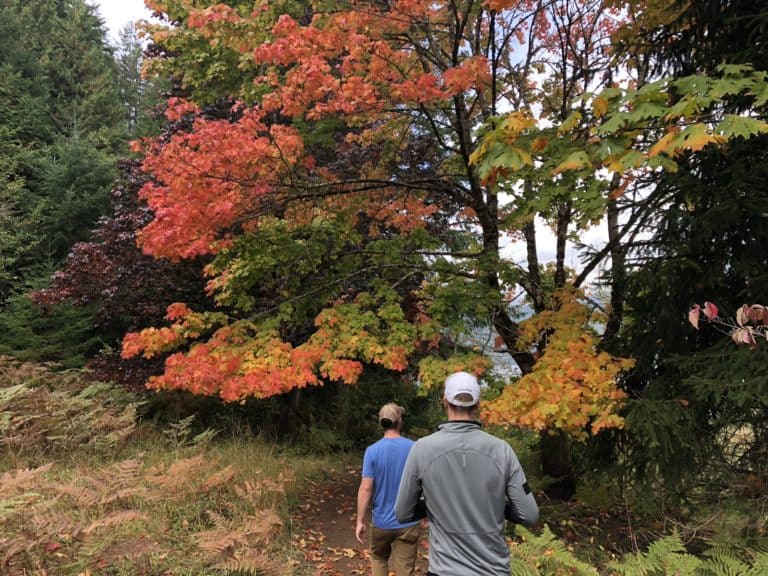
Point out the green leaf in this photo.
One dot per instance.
(631, 159)
(693, 85)
(722, 88)
(646, 110)
(734, 126)
(575, 161)
(511, 158)
(613, 123)
(664, 162)
(686, 107)
(735, 70)
(611, 147)
(760, 92)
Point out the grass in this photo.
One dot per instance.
(85, 489)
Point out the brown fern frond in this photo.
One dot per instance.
(245, 491)
(126, 470)
(123, 494)
(49, 522)
(218, 520)
(272, 485)
(81, 496)
(253, 491)
(185, 466)
(130, 550)
(262, 525)
(116, 518)
(218, 541)
(22, 479)
(219, 478)
(176, 476)
(14, 547)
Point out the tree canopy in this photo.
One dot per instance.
(357, 199)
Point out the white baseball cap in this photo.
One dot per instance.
(462, 383)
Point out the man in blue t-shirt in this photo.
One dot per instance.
(391, 543)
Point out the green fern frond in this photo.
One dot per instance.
(545, 554)
(254, 563)
(665, 556)
(759, 565)
(519, 568)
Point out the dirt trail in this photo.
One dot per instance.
(325, 528)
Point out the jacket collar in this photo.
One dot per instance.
(460, 425)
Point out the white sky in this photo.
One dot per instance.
(117, 13)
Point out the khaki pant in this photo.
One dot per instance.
(395, 548)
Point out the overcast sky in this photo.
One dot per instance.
(117, 13)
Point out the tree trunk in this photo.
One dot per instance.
(556, 463)
(616, 313)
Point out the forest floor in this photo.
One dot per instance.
(324, 522)
(325, 527)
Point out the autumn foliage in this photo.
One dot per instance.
(573, 387)
(749, 324)
(355, 198)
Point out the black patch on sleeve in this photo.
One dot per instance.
(526, 488)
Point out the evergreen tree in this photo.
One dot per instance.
(709, 242)
(61, 131)
(140, 95)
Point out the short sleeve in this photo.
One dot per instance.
(368, 464)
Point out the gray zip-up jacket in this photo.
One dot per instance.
(467, 477)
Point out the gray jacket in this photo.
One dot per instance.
(466, 476)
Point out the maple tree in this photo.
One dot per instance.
(356, 200)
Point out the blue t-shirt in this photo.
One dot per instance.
(384, 462)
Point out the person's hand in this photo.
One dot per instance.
(360, 532)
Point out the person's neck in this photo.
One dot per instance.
(391, 433)
(460, 415)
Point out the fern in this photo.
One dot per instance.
(545, 555)
(223, 476)
(759, 566)
(115, 519)
(668, 556)
(254, 563)
(22, 479)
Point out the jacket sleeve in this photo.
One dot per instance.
(521, 506)
(409, 492)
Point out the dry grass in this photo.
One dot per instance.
(67, 506)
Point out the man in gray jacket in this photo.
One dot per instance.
(470, 481)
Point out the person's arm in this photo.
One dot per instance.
(521, 507)
(406, 504)
(364, 494)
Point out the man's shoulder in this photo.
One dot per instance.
(387, 443)
(429, 442)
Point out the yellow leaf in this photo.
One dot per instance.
(663, 144)
(570, 123)
(695, 138)
(516, 122)
(599, 106)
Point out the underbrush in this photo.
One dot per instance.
(88, 490)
